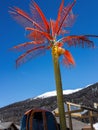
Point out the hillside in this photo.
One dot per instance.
(14, 112)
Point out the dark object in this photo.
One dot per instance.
(39, 119)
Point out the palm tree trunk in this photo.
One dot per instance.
(59, 90)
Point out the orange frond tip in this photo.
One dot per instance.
(68, 59)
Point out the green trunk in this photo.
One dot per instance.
(59, 90)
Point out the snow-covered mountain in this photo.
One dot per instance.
(53, 93)
(85, 96)
(65, 92)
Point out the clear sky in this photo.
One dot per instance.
(37, 76)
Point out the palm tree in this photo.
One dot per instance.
(46, 35)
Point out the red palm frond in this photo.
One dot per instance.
(78, 41)
(27, 45)
(23, 18)
(31, 53)
(70, 19)
(46, 35)
(68, 59)
(52, 25)
(65, 13)
(38, 37)
(38, 12)
(59, 12)
(53, 29)
(96, 36)
(59, 16)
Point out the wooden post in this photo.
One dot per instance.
(90, 119)
(69, 116)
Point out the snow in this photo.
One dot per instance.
(53, 93)
(88, 85)
(95, 126)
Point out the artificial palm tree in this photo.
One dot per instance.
(50, 35)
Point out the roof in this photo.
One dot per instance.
(5, 125)
(77, 125)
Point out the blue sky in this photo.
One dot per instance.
(37, 76)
